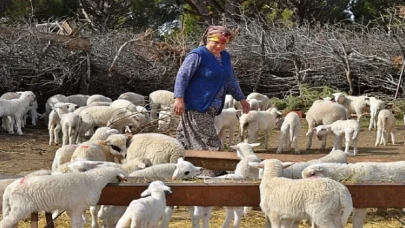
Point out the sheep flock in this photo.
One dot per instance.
(94, 140)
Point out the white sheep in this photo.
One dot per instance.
(289, 133)
(78, 99)
(375, 107)
(102, 116)
(265, 100)
(325, 112)
(243, 171)
(97, 98)
(353, 104)
(254, 104)
(124, 104)
(102, 133)
(99, 103)
(167, 120)
(63, 155)
(79, 189)
(258, 121)
(160, 99)
(385, 126)
(146, 212)
(294, 171)
(227, 120)
(16, 108)
(113, 147)
(180, 171)
(358, 172)
(349, 128)
(326, 202)
(69, 123)
(159, 148)
(52, 101)
(229, 101)
(54, 125)
(134, 98)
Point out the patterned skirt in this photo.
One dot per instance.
(196, 131)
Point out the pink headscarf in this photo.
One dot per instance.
(215, 29)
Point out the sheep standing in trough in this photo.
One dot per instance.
(42, 193)
(134, 98)
(349, 128)
(375, 107)
(289, 133)
(147, 211)
(353, 104)
(385, 126)
(16, 108)
(324, 112)
(159, 148)
(227, 120)
(160, 99)
(358, 172)
(324, 201)
(255, 122)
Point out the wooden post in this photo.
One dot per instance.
(34, 220)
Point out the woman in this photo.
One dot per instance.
(202, 82)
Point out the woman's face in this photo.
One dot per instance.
(215, 47)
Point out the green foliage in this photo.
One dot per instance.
(302, 102)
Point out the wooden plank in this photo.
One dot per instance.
(34, 220)
(365, 195)
(71, 42)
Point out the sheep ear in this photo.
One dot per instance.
(104, 142)
(198, 168)
(180, 159)
(287, 164)
(146, 193)
(254, 144)
(142, 165)
(258, 165)
(235, 147)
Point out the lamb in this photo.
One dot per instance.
(375, 107)
(54, 125)
(146, 212)
(350, 128)
(254, 104)
(385, 125)
(358, 172)
(69, 122)
(78, 99)
(180, 171)
(227, 120)
(97, 98)
(140, 112)
(255, 122)
(325, 112)
(113, 147)
(289, 133)
(79, 189)
(31, 110)
(243, 171)
(353, 104)
(107, 116)
(52, 101)
(229, 101)
(326, 202)
(102, 133)
(159, 148)
(265, 100)
(167, 120)
(295, 170)
(134, 98)
(160, 99)
(16, 109)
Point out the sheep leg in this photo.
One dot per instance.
(392, 137)
(76, 219)
(296, 147)
(323, 145)
(221, 136)
(230, 136)
(228, 217)
(11, 220)
(195, 220)
(267, 224)
(166, 217)
(93, 213)
(266, 137)
(65, 135)
(347, 141)
(384, 138)
(18, 123)
(372, 120)
(281, 142)
(275, 220)
(378, 138)
(309, 134)
(238, 212)
(205, 215)
(359, 214)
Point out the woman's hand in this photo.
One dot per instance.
(179, 106)
(245, 106)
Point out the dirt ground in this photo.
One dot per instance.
(31, 152)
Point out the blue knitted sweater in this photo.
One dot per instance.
(207, 80)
